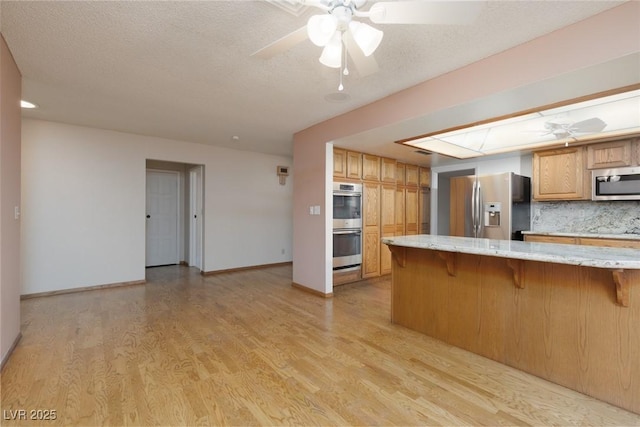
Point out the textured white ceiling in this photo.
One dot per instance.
(183, 69)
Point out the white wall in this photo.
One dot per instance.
(83, 199)
(10, 91)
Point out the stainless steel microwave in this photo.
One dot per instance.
(616, 184)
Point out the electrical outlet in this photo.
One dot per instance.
(282, 251)
(16, 212)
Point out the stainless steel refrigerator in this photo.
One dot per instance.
(490, 206)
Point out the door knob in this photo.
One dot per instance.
(148, 216)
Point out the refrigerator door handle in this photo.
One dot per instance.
(479, 212)
(473, 207)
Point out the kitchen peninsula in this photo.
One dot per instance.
(566, 313)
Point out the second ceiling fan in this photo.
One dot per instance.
(341, 30)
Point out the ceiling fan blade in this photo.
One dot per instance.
(426, 12)
(283, 44)
(314, 3)
(590, 125)
(366, 65)
(539, 132)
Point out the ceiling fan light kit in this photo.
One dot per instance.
(337, 32)
(332, 52)
(321, 29)
(326, 31)
(367, 38)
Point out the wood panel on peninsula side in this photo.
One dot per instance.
(570, 324)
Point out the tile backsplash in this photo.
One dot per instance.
(617, 217)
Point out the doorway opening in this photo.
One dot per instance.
(444, 197)
(174, 214)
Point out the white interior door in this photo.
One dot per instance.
(162, 218)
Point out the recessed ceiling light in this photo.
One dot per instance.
(27, 104)
(337, 97)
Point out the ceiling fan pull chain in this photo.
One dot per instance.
(345, 61)
(344, 71)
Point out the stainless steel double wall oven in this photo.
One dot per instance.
(347, 226)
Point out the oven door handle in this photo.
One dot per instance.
(347, 232)
(349, 194)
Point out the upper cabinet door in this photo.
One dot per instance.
(400, 171)
(339, 163)
(370, 167)
(388, 170)
(561, 175)
(609, 154)
(354, 165)
(411, 175)
(425, 177)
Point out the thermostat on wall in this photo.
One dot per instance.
(283, 170)
(283, 173)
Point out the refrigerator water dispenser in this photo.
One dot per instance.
(492, 214)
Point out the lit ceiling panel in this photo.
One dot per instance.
(601, 117)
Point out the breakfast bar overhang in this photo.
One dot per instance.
(566, 313)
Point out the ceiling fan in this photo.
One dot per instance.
(341, 30)
(566, 128)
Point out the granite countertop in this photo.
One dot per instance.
(591, 235)
(588, 256)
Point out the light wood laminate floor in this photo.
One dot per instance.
(245, 348)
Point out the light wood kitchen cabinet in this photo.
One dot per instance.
(610, 243)
(424, 210)
(561, 174)
(406, 212)
(371, 230)
(411, 211)
(411, 175)
(387, 224)
(399, 211)
(635, 151)
(543, 238)
(370, 252)
(388, 173)
(370, 167)
(587, 241)
(425, 177)
(347, 164)
(354, 165)
(390, 204)
(609, 154)
(339, 163)
(400, 172)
